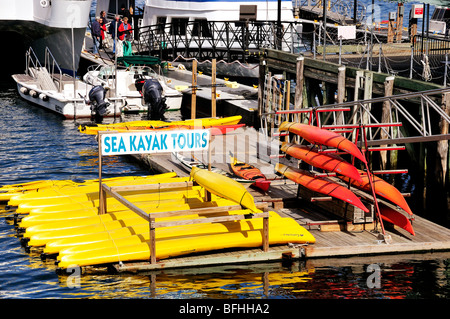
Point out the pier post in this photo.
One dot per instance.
(399, 33)
(213, 88)
(261, 85)
(386, 116)
(340, 93)
(194, 89)
(443, 144)
(299, 80)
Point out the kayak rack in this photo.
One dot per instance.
(151, 218)
(358, 131)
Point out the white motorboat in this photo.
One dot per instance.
(40, 24)
(128, 94)
(49, 88)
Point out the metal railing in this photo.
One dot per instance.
(219, 38)
(419, 110)
(31, 61)
(53, 67)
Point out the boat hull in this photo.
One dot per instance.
(46, 24)
(396, 218)
(54, 103)
(316, 135)
(320, 185)
(329, 162)
(249, 172)
(382, 188)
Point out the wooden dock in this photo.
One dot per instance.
(229, 101)
(335, 236)
(429, 238)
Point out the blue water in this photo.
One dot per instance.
(36, 145)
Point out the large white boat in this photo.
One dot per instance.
(42, 24)
(165, 11)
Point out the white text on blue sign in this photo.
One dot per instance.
(154, 142)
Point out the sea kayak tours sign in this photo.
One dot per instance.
(154, 142)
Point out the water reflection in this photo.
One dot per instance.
(347, 278)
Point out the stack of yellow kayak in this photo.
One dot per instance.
(9, 191)
(195, 123)
(65, 222)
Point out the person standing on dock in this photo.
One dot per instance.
(96, 35)
(114, 25)
(103, 25)
(124, 32)
(125, 13)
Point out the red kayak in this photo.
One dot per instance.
(249, 172)
(215, 130)
(328, 162)
(316, 135)
(392, 216)
(224, 129)
(320, 184)
(382, 188)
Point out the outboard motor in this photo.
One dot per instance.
(153, 97)
(99, 107)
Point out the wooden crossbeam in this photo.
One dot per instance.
(113, 191)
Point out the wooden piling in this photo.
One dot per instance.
(194, 90)
(340, 93)
(386, 116)
(213, 88)
(299, 80)
(442, 147)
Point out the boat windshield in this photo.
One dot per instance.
(106, 72)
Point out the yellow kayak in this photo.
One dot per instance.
(142, 231)
(223, 186)
(171, 232)
(27, 206)
(201, 122)
(94, 187)
(288, 231)
(8, 191)
(42, 223)
(113, 205)
(62, 230)
(74, 216)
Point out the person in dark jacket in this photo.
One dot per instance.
(112, 30)
(96, 34)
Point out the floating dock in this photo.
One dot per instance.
(336, 236)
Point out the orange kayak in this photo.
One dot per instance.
(392, 216)
(316, 135)
(320, 184)
(382, 188)
(249, 172)
(328, 162)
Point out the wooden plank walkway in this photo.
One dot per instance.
(229, 101)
